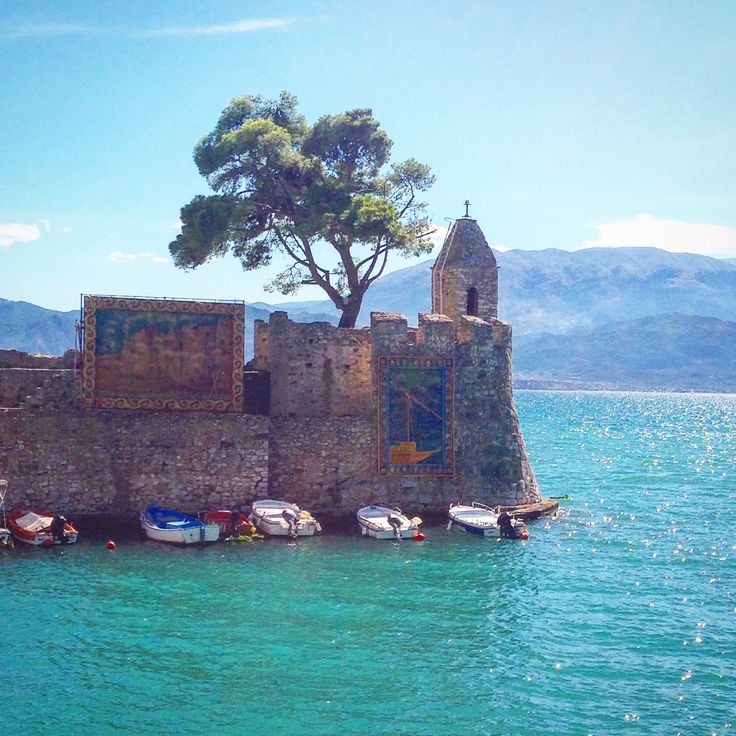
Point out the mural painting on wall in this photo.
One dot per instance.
(162, 354)
(415, 416)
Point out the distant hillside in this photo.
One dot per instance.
(584, 294)
(33, 329)
(558, 291)
(674, 351)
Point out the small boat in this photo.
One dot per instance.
(6, 536)
(485, 521)
(281, 519)
(231, 523)
(41, 528)
(382, 522)
(167, 525)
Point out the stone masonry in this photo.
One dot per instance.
(310, 434)
(465, 266)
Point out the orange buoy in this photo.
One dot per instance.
(419, 537)
(48, 542)
(110, 544)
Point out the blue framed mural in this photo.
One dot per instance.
(416, 416)
(162, 354)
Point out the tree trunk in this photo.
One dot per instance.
(351, 310)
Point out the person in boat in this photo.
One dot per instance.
(234, 521)
(57, 529)
(505, 524)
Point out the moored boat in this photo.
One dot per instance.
(282, 519)
(41, 528)
(382, 522)
(231, 523)
(485, 521)
(168, 525)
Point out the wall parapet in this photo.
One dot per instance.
(316, 368)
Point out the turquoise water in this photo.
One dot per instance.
(617, 617)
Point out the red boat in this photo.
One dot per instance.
(231, 523)
(41, 528)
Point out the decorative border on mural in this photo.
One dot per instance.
(384, 367)
(90, 400)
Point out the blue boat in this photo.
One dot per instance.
(484, 521)
(167, 525)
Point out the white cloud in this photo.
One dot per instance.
(119, 257)
(16, 232)
(238, 26)
(438, 236)
(717, 241)
(41, 30)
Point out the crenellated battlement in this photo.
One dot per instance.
(316, 369)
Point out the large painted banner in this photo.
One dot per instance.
(162, 354)
(415, 416)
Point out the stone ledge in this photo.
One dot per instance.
(533, 510)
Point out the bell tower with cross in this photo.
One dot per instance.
(465, 274)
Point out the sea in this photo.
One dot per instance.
(617, 616)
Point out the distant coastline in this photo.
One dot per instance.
(572, 386)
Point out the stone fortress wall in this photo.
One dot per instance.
(118, 462)
(310, 430)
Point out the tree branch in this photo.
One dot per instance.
(368, 279)
(320, 275)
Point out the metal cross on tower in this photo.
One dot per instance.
(467, 204)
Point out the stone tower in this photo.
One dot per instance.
(465, 274)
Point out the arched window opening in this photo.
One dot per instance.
(472, 309)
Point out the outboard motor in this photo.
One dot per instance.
(57, 528)
(395, 522)
(291, 517)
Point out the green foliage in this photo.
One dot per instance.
(282, 185)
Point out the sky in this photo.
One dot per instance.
(565, 124)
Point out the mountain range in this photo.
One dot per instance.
(33, 329)
(559, 291)
(601, 317)
(665, 352)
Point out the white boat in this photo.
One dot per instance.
(382, 522)
(485, 521)
(283, 519)
(167, 525)
(6, 536)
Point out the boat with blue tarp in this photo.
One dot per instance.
(168, 525)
